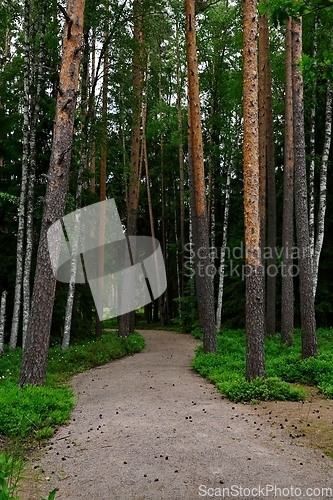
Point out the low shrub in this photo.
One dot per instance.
(226, 368)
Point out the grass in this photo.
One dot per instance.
(226, 368)
(37, 411)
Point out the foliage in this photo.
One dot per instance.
(226, 369)
(38, 410)
(10, 475)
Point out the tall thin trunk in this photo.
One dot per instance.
(33, 368)
(93, 147)
(271, 202)
(78, 196)
(262, 103)
(163, 299)
(134, 178)
(308, 320)
(287, 299)
(102, 184)
(204, 280)
(267, 171)
(323, 186)
(181, 166)
(254, 279)
(223, 248)
(24, 181)
(2, 321)
(313, 149)
(5, 57)
(38, 71)
(179, 310)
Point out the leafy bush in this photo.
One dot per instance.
(29, 409)
(268, 389)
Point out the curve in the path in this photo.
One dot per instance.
(148, 427)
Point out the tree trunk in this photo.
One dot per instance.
(35, 110)
(24, 181)
(134, 180)
(308, 320)
(262, 102)
(204, 279)
(254, 279)
(33, 370)
(287, 299)
(181, 167)
(223, 248)
(102, 182)
(78, 197)
(271, 200)
(323, 186)
(2, 321)
(313, 149)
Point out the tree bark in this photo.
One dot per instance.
(2, 321)
(35, 110)
(181, 165)
(254, 279)
(204, 280)
(78, 196)
(33, 370)
(308, 320)
(134, 180)
(223, 248)
(271, 201)
(323, 186)
(287, 299)
(313, 149)
(24, 181)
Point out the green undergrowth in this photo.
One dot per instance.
(226, 368)
(11, 473)
(37, 411)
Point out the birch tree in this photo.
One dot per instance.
(313, 148)
(24, 180)
(2, 321)
(35, 110)
(323, 186)
(223, 248)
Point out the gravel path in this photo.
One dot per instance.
(149, 428)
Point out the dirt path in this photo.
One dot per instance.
(148, 427)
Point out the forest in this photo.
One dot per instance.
(209, 124)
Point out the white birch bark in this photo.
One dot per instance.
(24, 182)
(2, 320)
(323, 187)
(31, 180)
(223, 249)
(71, 287)
(177, 258)
(312, 152)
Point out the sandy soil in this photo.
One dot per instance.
(147, 427)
